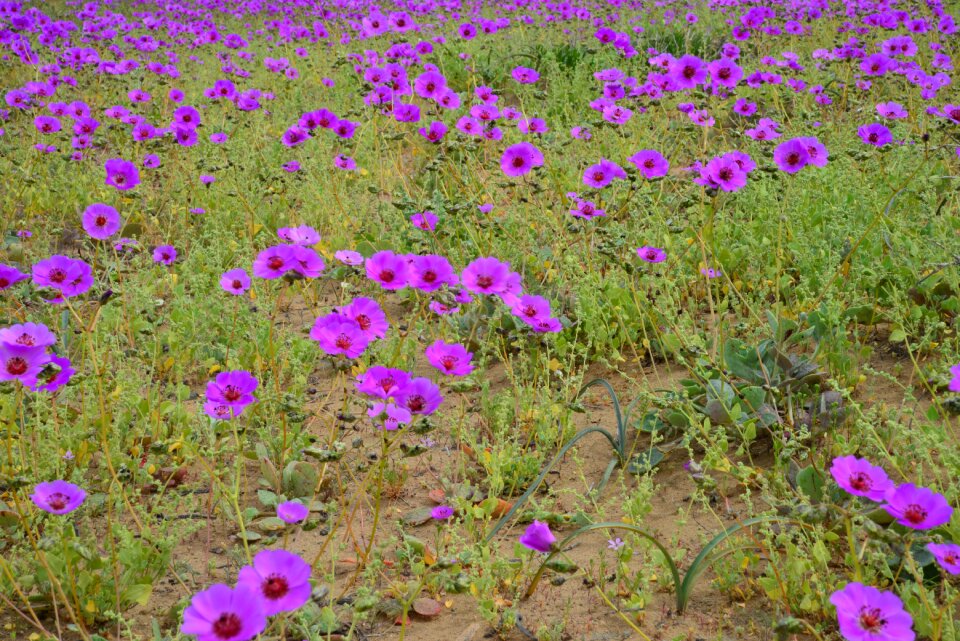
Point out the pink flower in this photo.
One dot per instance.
(451, 359)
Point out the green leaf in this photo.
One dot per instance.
(811, 483)
(138, 593)
(645, 461)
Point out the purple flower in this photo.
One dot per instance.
(520, 158)
(68, 276)
(861, 478)
(57, 497)
(281, 578)
(101, 221)
(28, 335)
(431, 272)
(486, 276)
(651, 254)
(817, 153)
(273, 262)
(531, 309)
(306, 262)
(954, 385)
(382, 382)
(368, 315)
(441, 513)
(218, 138)
(426, 221)
(602, 174)
(234, 388)
(791, 156)
(650, 163)
(918, 508)
(302, 235)
(434, 132)
(420, 396)
(538, 537)
(452, 359)
(687, 72)
(388, 269)
(220, 613)
(345, 163)
(525, 75)
(165, 255)
(54, 378)
(22, 363)
(348, 257)
(10, 276)
(121, 174)
(292, 512)
(875, 134)
(235, 281)
(338, 334)
(725, 173)
(892, 110)
(867, 614)
(295, 136)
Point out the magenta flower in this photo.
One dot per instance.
(538, 537)
(650, 163)
(281, 578)
(57, 497)
(817, 154)
(274, 262)
(10, 276)
(235, 281)
(382, 382)
(531, 309)
(234, 388)
(687, 72)
(368, 315)
(165, 255)
(348, 257)
(486, 276)
(431, 272)
(891, 110)
(345, 163)
(724, 173)
(56, 377)
(452, 359)
(22, 363)
(875, 134)
(292, 512)
(859, 477)
(954, 385)
(441, 513)
(294, 136)
(121, 174)
(420, 396)
(426, 221)
(602, 174)
(791, 156)
(389, 416)
(947, 555)
(302, 235)
(651, 254)
(434, 132)
(28, 335)
(520, 159)
(867, 614)
(220, 613)
(918, 508)
(306, 262)
(68, 276)
(525, 75)
(338, 334)
(388, 269)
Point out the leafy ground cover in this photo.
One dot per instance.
(443, 320)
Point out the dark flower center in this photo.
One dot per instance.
(119, 179)
(793, 158)
(275, 587)
(429, 277)
(724, 73)
(689, 71)
(872, 620)
(416, 403)
(227, 625)
(873, 137)
(518, 161)
(25, 339)
(231, 393)
(725, 174)
(236, 284)
(861, 482)
(101, 221)
(386, 276)
(598, 176)
(484, 281)
(16, 366)
(57, 275)
(530, 311)
(955, 113)
(57, 501)
(651, 254)
(915, 514)
(363, 321)
(275, 262)
(387, 383)
(343, 341)
(649, 164)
